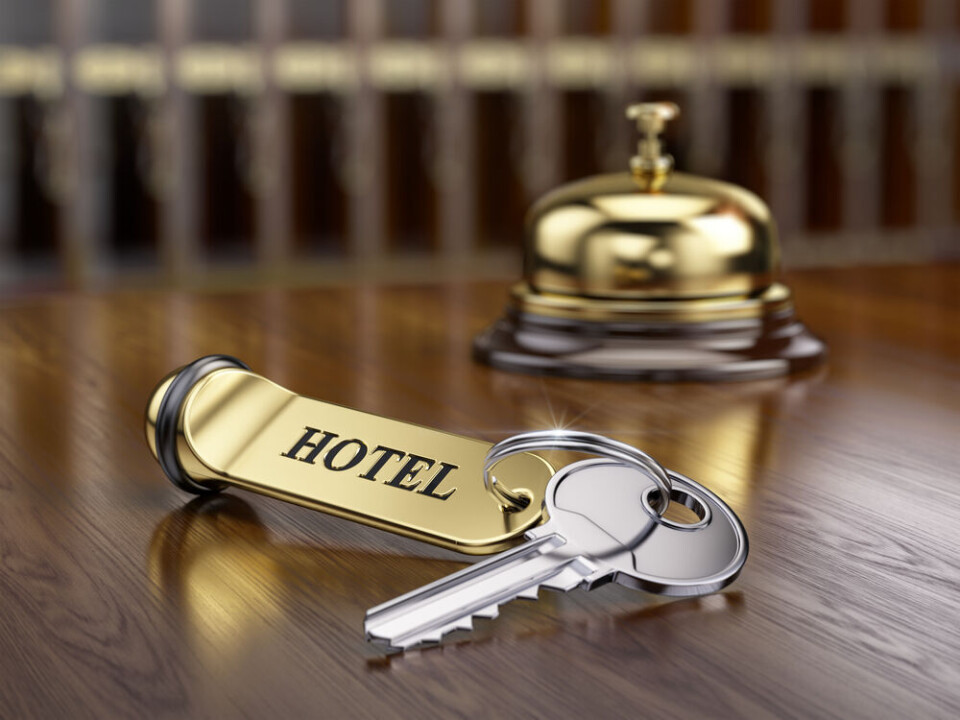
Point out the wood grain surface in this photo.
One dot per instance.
(120, 596)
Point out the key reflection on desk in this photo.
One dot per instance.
(244, 597)
(215, 564)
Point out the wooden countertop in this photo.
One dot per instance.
(123, 597)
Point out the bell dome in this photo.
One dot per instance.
(606, 237)
(650, 275)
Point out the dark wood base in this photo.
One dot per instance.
(746, 349)
(119, 598)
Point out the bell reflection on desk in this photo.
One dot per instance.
(650, 275)
(731, 441)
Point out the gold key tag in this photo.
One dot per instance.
(214, 424)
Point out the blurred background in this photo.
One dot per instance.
(226, 142)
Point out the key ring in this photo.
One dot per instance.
(511, 500)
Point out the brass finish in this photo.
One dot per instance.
(651, 166)
(667, 263)
(774, 299)
(235, 428)
(697, 238)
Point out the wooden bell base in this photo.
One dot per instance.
(742, 349)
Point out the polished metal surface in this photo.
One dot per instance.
(650, 233)
(216, 424)
(598, 532)
(651, 166)
(695, 238)
(164, 417)
(650, 275)
(578, 441)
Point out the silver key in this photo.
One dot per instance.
(602, 527)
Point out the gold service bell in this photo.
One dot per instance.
(650, 275)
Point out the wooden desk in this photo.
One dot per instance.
(123, 597)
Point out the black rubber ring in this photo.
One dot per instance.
(168, 417)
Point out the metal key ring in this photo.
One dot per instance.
(586, 442)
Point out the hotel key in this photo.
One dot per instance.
(602, 527)
(214, 424)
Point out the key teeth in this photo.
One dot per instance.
(466, 623)
(565, 581)
(436, 636)
(488, 612)
(562, 582)
(387, 643)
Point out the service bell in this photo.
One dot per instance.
(650, 275)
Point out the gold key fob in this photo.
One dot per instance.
(214, 424)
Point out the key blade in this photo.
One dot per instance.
(427, 614)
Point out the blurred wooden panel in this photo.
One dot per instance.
(828, 15)
(904, 15)
(501, 18)
(222, 20)
(587, 18)
(310, 20)
(898, 169)
(824, 192)
(583, 126)
(751, 16)
(955, 133)
(501, 197)
(670, 18)
(411, 19)
(747, 140)
(227, 207)
(133, 213)
(36, 212)
(550, 79)
(319, 149)
(409, 174)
